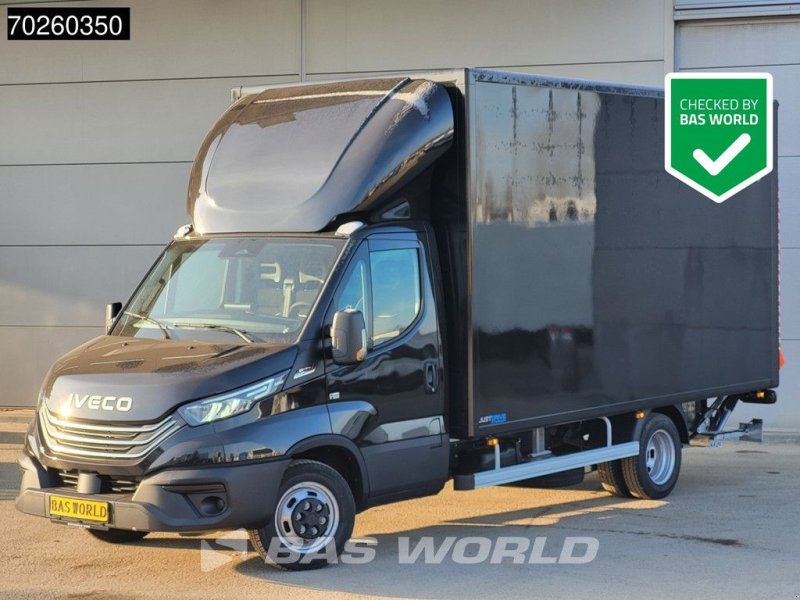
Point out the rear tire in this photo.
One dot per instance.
(312, 520)
(612, 478)
(117, 536)
(653, 473)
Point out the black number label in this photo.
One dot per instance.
(95, 23)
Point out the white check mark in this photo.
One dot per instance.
(714, 167)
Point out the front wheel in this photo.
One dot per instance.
(653, 473)
(313, 518)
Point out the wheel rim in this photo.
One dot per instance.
(307, 517)
(660, 457)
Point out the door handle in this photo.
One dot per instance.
(431, 376)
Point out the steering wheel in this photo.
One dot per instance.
(295, 308)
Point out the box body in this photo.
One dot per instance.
(581, 279)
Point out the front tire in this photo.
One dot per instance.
(312, 521)
(653, 473)
(117, 536)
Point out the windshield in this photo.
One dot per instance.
(239, 290)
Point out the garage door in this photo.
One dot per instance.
(771, 45)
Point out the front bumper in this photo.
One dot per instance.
(183, 499)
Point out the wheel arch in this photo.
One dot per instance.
(341, 454)
(628, 426)
(676, 416)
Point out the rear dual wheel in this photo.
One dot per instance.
(612, 479)
(653, 473)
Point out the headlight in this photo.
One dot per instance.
(231, 403)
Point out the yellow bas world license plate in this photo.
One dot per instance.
(83, 510)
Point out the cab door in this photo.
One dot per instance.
(403, 439)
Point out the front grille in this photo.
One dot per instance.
(108, 483)
(85, 440)
(69, 479)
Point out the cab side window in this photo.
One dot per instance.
(396, 296)
(354, 293)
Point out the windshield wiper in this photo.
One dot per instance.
(159, 324)
(242, 334)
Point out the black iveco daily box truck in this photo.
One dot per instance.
(388, 283)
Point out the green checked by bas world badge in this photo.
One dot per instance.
(718, 136)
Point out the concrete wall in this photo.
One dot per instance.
(96, 143)
(772, 44)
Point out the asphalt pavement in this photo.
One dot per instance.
(729, 530)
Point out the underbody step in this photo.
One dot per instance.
(747, 432)
(545, 466)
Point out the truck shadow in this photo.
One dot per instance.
(544, 530)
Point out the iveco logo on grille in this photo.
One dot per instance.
(109, 403)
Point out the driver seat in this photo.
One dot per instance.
(269, 300)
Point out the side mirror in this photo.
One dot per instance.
(112, 310)
(348, 337)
